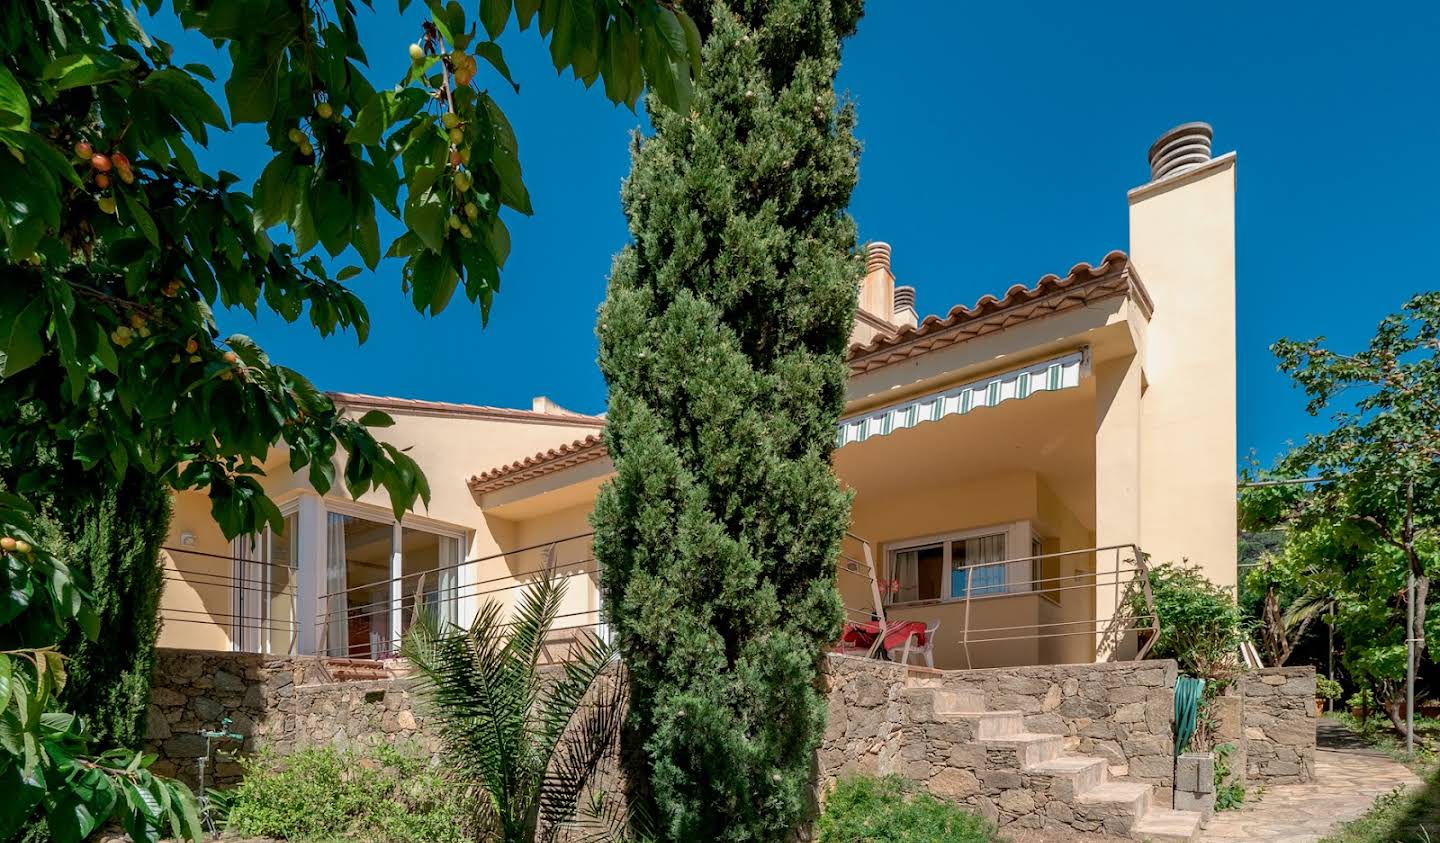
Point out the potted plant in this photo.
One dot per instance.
(1326, 690)
(1361, 703)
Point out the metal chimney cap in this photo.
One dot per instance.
(877, 256)
(1184, 147)
(904, 297)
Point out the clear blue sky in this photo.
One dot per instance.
(999, 140)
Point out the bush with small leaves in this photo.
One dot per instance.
(862, 809)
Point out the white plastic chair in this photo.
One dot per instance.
(927, 649)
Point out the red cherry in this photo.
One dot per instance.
(101, 163)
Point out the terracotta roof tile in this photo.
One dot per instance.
(1084, 283)
(580, 451)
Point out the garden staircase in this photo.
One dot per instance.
(1056, 788)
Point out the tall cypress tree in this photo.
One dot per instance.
(722, 340)
(113, 535)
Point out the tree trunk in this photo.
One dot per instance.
(1392, 711)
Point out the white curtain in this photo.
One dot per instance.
(336, 607)
(447, 598)
(984, 551)
(907, 572)
(248, 576)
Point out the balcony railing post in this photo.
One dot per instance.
(965, 635)
(1142, 570)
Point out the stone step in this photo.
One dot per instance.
(1030, 748)
(1080, 774)
(958, 702)
(1116, 806)
(1162, 825)
(990, 724)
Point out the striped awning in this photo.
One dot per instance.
(1047, 376)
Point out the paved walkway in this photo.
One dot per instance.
(1348, 777)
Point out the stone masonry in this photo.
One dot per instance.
(1278, 713)
(1082, 747)
(270, 704)
(1118, 711)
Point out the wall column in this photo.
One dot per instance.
(1118, 384)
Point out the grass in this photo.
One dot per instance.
(1378, 733)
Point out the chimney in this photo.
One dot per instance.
(905, 307)
(1181, 149)
(1182, 243)
(542, 404)
(877, 290)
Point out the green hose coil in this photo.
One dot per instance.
(1188, 692)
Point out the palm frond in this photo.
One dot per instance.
(1305, 609)
(581, 718)
(483, 703)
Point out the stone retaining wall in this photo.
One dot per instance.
(271, 705)
(1119, 711)
(866, 718)
(1278, 716)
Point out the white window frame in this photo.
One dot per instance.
(264, 551)
(313, 512)
(1017, 534)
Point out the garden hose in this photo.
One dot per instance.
(1188, 691)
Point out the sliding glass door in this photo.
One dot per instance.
(265, 570)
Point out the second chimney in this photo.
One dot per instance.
(877, 290)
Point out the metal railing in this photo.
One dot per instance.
(393, 613)
(1128, 573)
(226, 598)
(1126, 576)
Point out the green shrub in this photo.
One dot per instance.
(862, 809)
(323, 793)
(1328, 689)
(1200, 624)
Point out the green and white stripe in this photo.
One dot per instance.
(1048, 376)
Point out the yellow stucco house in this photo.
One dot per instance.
(1008, 459)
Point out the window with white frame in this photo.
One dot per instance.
(267, 582)
(973, 563)
(355, 579)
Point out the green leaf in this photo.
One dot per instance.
(506, 161)
(14, 105)
(347, 273)
(425, 215)
(142, 217)
(444, 290)
(525, 11)
(21, 797)
(692, 42)
(673, 33)
(274, 198)
(186, 97)
(24, 341)
(254, 85)
(79, 70)
(491, 52)
(493, 15)
(377, 418)
(39, 151)
(366, 237)
(384, 110)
